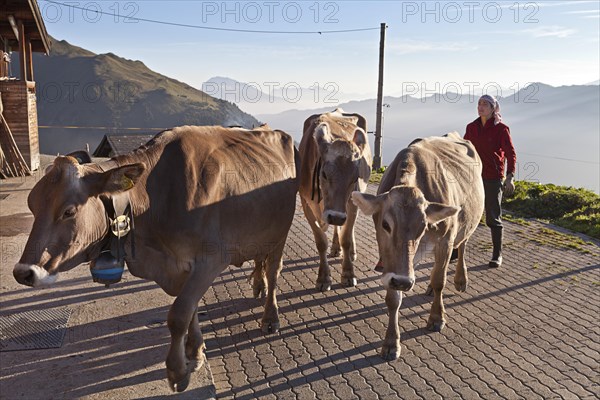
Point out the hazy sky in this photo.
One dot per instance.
(436, 46)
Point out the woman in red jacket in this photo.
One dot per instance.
(492, 141)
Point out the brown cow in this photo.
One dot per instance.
(336, 159)
(430, 199)
(202, 198)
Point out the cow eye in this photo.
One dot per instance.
(386, 226)
(69, 212)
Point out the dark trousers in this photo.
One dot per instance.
(493, 199)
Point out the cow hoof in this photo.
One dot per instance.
(323, 286)
(180, 385)
(195, 358)
(196, 364)
(349, 282)
(334, 252)
(461, 286)
(259, 292)
(436, 326)
(270, 327)
(390, 353)
(429, 291)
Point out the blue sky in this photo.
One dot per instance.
(433, 45)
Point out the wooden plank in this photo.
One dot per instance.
(3, 66)
(33, 158)
(29, 60)
(22, 51)
(21, 113)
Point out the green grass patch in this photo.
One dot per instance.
(376, 175)
(513, 219)
(568, 207)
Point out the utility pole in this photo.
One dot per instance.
(377, 155)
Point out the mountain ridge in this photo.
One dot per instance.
(76, 87)
(555, 129)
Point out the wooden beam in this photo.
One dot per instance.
(22, 51)
(13, 26)
(3, 66)
(40, 26)
(29, 60)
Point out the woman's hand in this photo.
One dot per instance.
(508, 187)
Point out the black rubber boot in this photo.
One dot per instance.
(496, 261)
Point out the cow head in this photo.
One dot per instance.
(340, 167)
(69, 217)
(401, 218)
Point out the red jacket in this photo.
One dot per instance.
(494, 145)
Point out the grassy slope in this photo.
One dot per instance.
(571, 208)
(119, 92)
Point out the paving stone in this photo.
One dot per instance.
(516, 333)
(304, 392)
(575, 388)
(567, 395)
(343, 391)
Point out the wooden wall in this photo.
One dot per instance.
(20, 112)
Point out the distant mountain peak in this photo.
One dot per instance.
(64, 48)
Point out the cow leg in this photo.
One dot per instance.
(324, 277)
(259, 280)
(348, 245)
(461, 280)
(270, 319)
(179, 319)
(437, 319)
(194, 344)
(335, 244)
(391, 343)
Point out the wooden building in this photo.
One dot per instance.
(116, 145)
(22, 30)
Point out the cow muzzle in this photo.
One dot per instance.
(334, 217)
(33, 275)
(397, 282)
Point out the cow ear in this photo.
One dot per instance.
(360, 139)
(367, 203)
(116, 180)
(323, 136)
(437, 212)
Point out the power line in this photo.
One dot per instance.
(99, 127)
(212, 28)
(560, 158)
